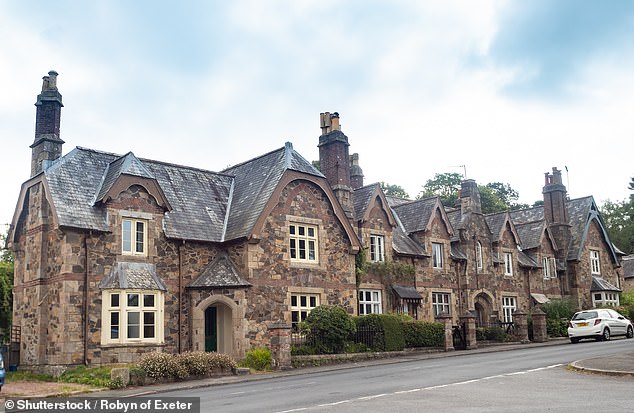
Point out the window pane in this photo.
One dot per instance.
(291, 229)
(140, 237)
(303, 315)
(311, 250)
(302, 301)
(295, 316)
(294, 300)
(114, 325)
(133, 300)
(114, 300)
(148, 300)
(126, 236)
(313, 301)
(133, 324)
(302, 249)
(148, 325)
(293, 249)
(302, 230)
(311, 232)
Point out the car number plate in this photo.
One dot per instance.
(582, 324)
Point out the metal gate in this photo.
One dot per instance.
(460, 337)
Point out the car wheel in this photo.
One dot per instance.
(630, 332)
(574, 340)
(606, 335)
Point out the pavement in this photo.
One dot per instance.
(621, 364)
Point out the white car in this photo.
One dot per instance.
(600, 324)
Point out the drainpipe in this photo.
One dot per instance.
(86, 330)
(180, 297)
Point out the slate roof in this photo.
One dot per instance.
(530, 234)
(495, 222)
(408, 293)
(405, 245)
(362, 198)
(527, 260)
(599, 284)
(457, 254)
(255, 181)
(220, 273)
(415, 215)
(133, 276)
(127, 164)
(628, 266)
(205, 205)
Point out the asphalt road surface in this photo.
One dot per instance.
(522, 380)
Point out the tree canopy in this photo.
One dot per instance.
(6, 283)
(619, 220)
(394, 190)
(494, 196)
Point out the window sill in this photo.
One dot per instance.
(133, 344)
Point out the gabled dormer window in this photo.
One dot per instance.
(133, 237)
(595, 262)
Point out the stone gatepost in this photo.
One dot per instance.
(521, 326)
(280, 334)
(540, 333)
(446, 319)
(468, 321)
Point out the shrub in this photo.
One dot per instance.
(93, 376)
(559, 309)
(557, 327)
(389, 332)
(332, 325)
(258, 359)
(162, 365)
(423, 334)
(158, 365)
(492, 334)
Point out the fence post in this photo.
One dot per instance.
(446, 319)
(280, 335)
(521, 326)
(540, 332)
(468, 320)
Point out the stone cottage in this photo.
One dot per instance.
(116, 255)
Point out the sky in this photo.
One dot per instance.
(501, 90)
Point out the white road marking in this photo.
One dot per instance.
(440, 386)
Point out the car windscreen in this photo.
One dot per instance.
(585, 316)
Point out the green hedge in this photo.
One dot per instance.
(389, 330)
(423, 334)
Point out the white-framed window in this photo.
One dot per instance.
(547, 270)
(133, 236)
(303, 243)
(595, 262)
(509, 305)
(377, 248)
(441, 303)
(369, 302)
(508, 263)
(436, 255)
(605, 298)
(301, 305)
(130, 316)
(478, 255)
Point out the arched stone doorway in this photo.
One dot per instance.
(483, 309)
(218, 328)
(216, 325)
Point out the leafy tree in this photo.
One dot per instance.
(6, 283)
(619, 220)
(445, 185)
(490, 200)
(394, 190)
(631, 185)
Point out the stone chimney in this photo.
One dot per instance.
(47, 145)
(554, 198)
(334, 159)
(356, 173)
(470, 197)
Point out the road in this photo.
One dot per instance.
(534, 379)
